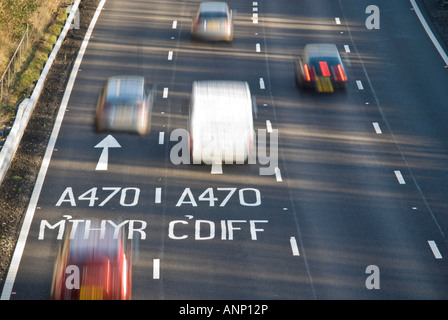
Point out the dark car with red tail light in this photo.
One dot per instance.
(320, 68)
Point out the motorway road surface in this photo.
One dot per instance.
(357, 207)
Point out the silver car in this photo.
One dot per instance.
(213, 21)
(125, 104)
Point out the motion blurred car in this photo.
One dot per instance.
(213, 21)
(320, 68)
(221, 122)
(96, 268)
(125, 104)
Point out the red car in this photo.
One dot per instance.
(97, 268)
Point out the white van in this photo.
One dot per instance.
(221, 122)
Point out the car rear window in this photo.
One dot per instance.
(212, 15)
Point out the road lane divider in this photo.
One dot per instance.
(161, 137)
(399, 177)
(435, 249)
(377, 128)
(156, 269)
(294, 246)
(359, 85)
(158, 195)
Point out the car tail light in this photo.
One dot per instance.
(310, 72)
(307, 72)
(339, 74)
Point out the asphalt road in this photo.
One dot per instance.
(362, 179)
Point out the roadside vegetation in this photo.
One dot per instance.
(44, 19)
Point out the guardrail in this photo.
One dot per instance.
(27, 106)
(10, 71)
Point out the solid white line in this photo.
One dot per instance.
(429, 32)
(435, 249)
(161, 137)
(170, 55)
(278, 174)
(257, 47)
(294, 247)
(174, 24)
(158, 195)
(399, 177)
(262, 84)
(268, 126)
(18, 252)
(156, 269)
(338, 21)
(165, 93)
(359, 84)
(377, 127)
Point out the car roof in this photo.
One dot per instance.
(123, 87)
(321, 50)
(213, 6)
(96, 245)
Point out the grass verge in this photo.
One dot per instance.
(36, 57)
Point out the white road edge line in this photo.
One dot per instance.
(429, 32)
(18, 252)
(435, 249)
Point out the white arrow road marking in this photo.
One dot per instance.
(106, 143)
